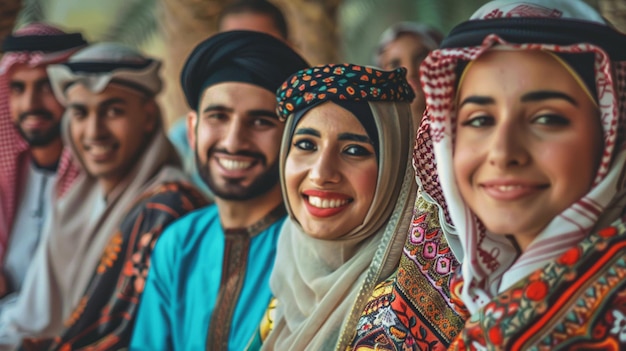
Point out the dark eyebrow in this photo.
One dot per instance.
(216, 108)
(478, 100)
(76, 106)
(546, 95)
(355, 137)
(307, 131)
(263, 113)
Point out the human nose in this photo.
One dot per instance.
(508, 146)
(235, 136)
(93, 126)
(325, 169)
(30, 100)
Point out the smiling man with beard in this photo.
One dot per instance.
(85, 282)
(34, 167)
(208, 287)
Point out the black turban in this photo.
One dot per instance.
(45, 43)
(238, 56)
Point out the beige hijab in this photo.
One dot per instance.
(322, 285)
(81, 226)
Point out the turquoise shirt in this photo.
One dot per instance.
(184, 279)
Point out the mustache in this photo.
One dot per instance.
(245, 153)
(45, 114)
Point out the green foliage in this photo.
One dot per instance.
(134, 24)
(362, 21)
(32, 11)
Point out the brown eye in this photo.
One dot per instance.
(16, 88)
(262, 122)
(46, 88)
(552, 120)
(216, 117)
(305, 144)
(479, 121)
(356, 150)
(114, 112)
(77, 114)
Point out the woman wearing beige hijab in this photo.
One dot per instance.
(347, 178)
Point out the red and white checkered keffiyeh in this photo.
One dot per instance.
(13, 149)
(490, 262)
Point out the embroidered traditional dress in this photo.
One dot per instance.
(576, 302)
(208, 287)
(412, 310)
(104, 318)
(83, 288)
(321, 285)
(566, 289)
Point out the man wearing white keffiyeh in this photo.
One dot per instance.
(525, 126)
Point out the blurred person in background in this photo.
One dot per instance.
(406, 44)
(35, 168)
(87, 277)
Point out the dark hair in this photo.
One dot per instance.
(262, 7)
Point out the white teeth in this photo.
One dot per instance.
(505, 188)
(326, 203)
(232, 165)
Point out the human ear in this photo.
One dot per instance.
(153, 114)
(192, 122)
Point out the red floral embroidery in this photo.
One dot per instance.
(570, 257)
(608, 232)
(495, 335)
(536, 290)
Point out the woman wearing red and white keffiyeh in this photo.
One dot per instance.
(525, 123)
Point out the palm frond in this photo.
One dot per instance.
(135, 23)
(32, 11)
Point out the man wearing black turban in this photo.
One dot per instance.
(208, 286)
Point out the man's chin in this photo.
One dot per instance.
(40, 142)
(232, 195)
(240, 189)
(230, 191)
(38, 138)
(238, 192)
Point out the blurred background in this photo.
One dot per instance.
(323, 31)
